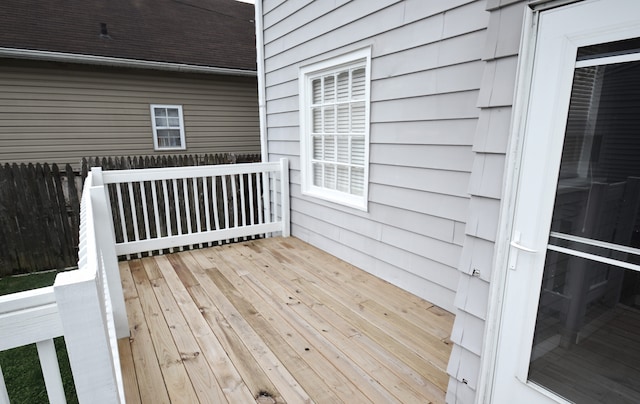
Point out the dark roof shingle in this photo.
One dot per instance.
(218, 33)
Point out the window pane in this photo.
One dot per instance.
(161, 122)
(357, 181)
(330, 176)
(169, 138)
(585, 345)
(600, 164)
(343, 86)
(172, 112)
(357, 117)
(329, 120)
(358, 84)
(174, 122)
(343, 118)
(587, 330)
(357, 150)
(343, 149)
(160, 112)
(330, 148)
(329, 89)
(343, 179)
(317, 148)
(317, 120)
(317, 174)
(316, 89)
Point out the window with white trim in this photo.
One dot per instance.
(168, 127)
(334, 112)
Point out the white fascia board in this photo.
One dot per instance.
(119, 62)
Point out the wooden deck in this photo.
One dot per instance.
(273, 321)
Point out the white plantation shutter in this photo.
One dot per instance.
(336, 131)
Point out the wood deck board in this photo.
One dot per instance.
(339, 333)
(348, 300)
(338, 317)
(279, 318)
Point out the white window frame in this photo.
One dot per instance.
(156, 146)
(307, 74)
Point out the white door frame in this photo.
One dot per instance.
(510, 191)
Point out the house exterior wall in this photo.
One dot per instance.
(442, 89)
(426, 72)
(54, 112)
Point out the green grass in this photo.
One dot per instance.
(21, 366)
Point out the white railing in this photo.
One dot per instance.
(163, 208)
(86, 306)
(32, 317)
(132, 212)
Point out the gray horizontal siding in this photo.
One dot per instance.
(61, 113)
(426, 77)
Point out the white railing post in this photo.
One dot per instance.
(103, 225)
(85, 328)
(51, 371)
(284, 195)
(4, 396)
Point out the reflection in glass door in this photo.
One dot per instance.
(586, 344)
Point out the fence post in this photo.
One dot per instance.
(105, 238)
(284, 194)
(85, 331)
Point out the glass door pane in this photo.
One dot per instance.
(586, 344)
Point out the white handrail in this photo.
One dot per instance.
(32, 317)
(163, 208)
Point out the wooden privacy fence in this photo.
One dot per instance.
(39, 215)
(40, 205)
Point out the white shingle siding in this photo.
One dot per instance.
(485, 189)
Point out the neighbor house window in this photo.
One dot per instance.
(168, 127)
(334, 115)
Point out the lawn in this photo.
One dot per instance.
(21, 366)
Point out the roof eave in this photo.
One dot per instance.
(119, 62)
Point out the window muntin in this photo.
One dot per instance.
(335, 138)
(168, 127)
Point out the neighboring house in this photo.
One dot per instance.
(82, 78)
(426, 137)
